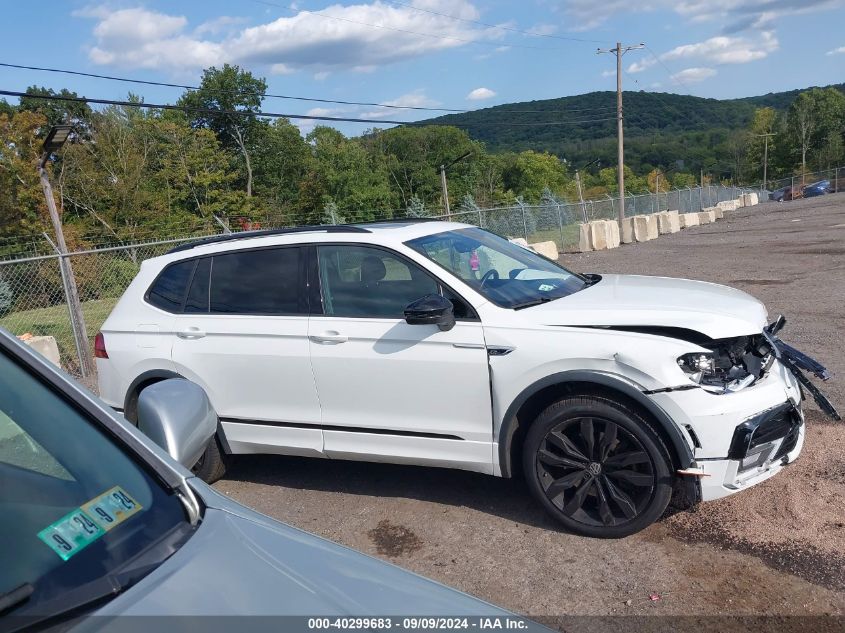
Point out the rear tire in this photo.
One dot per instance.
(212, 464)
(597, 467)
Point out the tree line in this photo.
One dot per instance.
(138, 173)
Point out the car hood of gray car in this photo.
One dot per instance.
(239, 562)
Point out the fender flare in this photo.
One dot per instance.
(509, 422)
(131, 400)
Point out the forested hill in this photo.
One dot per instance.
(660, 128)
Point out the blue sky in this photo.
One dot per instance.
(462, 54)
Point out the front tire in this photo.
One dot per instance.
(597, 467)
(212, 465)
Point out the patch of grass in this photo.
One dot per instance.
(55, 321)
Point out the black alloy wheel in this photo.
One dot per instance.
(597, 467)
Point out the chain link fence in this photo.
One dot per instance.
(33, 293)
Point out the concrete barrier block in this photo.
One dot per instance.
(520, 241)
(755, 199)
(585, 244)
(599, 234)
(546, 249)
(615, 237)
(667, 222)
(706, 217)
(46, 346)
(718, 213)
(641, 228)
(689, 219)
(652, 227)
(627, 235)
(674, 221)
(728, 205)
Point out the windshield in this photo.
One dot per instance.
(75, 506)
(505, 273)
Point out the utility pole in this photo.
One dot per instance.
(765, 156)
(619, 51)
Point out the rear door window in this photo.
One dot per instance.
(268, 281)
(168, 290)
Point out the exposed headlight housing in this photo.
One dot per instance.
(730, 365)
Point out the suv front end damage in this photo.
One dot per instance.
(744, 413)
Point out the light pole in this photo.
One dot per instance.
(443, 186)
(580, 192)
(56, 138)
(657, 185)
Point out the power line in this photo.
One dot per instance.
(398, 30)
(276, 115)
(672, 75)
(494, 26)
(243, 94)
(164, 84)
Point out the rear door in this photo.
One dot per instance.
(243, 336)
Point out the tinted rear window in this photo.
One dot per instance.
(258, 282)
(168, 290)
(197, 300)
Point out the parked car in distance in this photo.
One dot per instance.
(443, 344)
(793, 193)
(101, 521)
(819, 188)
(778, 194)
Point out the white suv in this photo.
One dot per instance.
(442, 344)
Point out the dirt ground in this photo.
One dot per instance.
(777, 549)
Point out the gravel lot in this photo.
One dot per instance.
(776, 549)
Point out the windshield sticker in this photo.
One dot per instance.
(81, 527)
(545, 287)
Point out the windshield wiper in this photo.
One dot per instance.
(16, 596)
(532, 302)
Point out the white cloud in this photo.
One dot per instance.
(735, 15)
(718, 50)
(322, 75)
(281, 69)
(224, 23)
(543, 29)
(693, 75)
(415, 99)
(608, 73)
(837, 51)
(338, 37)
(726, 50)
(480, 94)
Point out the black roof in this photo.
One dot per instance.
(245, 235)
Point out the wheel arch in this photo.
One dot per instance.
(533, 399)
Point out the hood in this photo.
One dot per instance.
(239, 562)
(632, 300)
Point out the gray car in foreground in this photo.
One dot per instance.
(100, 520)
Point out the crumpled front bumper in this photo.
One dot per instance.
(714, 424)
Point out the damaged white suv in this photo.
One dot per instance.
(442, 344)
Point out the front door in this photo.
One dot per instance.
(390, 391)
(242, 336)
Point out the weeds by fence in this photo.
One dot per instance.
(33, 298)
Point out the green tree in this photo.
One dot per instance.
(56, 111)
(22, 207)
(763, 124)
(282, 158)
(530, 172)
(226, 103)
(813, 119)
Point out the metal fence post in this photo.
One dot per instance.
(560, 224)
(524, 223)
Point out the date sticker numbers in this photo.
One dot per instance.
(81, 527)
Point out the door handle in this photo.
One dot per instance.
(329, 338)
(190, 333)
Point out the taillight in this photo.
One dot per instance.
(100, 346)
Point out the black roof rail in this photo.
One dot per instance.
(396, 221)
(245, 235)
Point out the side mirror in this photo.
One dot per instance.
(176, 415)
(431, 310)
